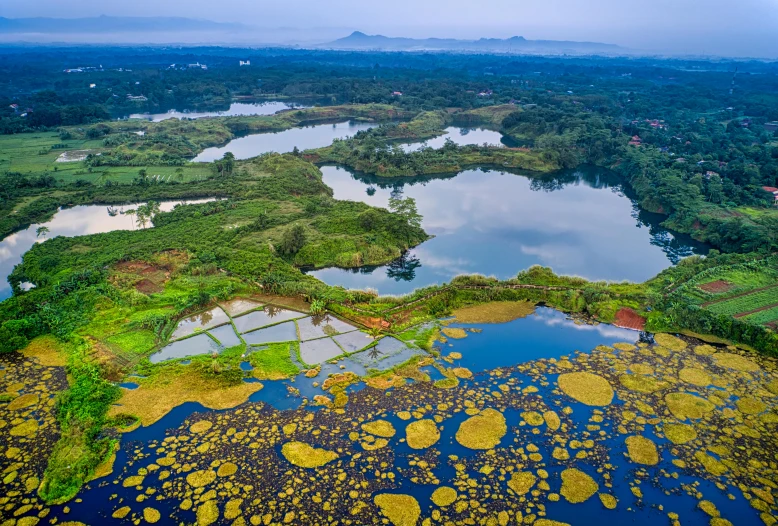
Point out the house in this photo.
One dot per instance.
(486, 93)
(245, 62)
(197, 65)
(771, 126)
(92, 86)
(14, 107)
(636, 141)
(397, 94)
(710, 174)
(136, 98)
(773, 190)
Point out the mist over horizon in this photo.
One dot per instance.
(664, 27)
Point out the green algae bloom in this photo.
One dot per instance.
(401, 510)
(642, 450)
(306, 456)
(422, 434)
(587, 388)
(694, 376)
(670, 342)
(642, 383)
(577, 486)
(482, 431)
(735, 361)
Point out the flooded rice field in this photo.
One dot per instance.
(577, 424)
(236, 109)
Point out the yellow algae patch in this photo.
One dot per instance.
(305, 456)
(669, 341)
(404, 415)
(494, 312)
(21, 402)
(422, 434)
(121, 512)
(577, 486)
(704, 349)
(623, 346)
(462, 372)
(608, 500)
(377, 444)
(735, 361)
(207, 513)
(522, 482)
(533, 418)
(134, 480)
(200, 427)
(47, 350)
(642, 383)
(772, 386)
(718, 521)
(587, 388)
(482, 431)
(227, 469)
(642, 450)
(685, 405)
(709, 508)
(401, 510)
(153, 400)
(444, 495)
(679, 433)
(380, 428)
(454, 332)
(552, 420)
(710, 464)
(198, 479)
(26, 428)
(694, 376)
(641, 368)
(750, 406)
(549, 522)
(151, 515)
(105, 468)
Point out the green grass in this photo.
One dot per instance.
(275, 361)
(134, 342)
(763, 317)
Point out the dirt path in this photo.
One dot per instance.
(760, 309)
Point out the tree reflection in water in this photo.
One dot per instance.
(403, 268)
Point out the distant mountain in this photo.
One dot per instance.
(360, 41)
(111, 24)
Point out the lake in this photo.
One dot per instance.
(498, 223)
(70, 222)
(304, 138)
(236, 109)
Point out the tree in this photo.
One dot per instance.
(406, 208)
(180, 174)
(41, 231)
(292, 240)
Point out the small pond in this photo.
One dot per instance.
(303, 138)
(71, 222)
(462, 137)
(498, 223)
(236, 109)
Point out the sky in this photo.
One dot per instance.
(723, 27)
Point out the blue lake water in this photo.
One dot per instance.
(236, 109)
(497, 223)
(304, 138)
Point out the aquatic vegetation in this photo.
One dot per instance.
(694, 376)
(670, 342)
(401, 510)
(454, 332)
(642, 450)
(679, 433)
(381, 428)
(685, 405)
(522, 482)
(735, 361)
(577, 486)
(608, 500)
(306, 456)
(587, 388)
(482, 431)
(422, 434)
(494, 312)
(444, 496)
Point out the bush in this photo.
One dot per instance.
(292, 240)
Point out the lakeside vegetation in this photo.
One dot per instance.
(111, 299)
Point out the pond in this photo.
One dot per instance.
(236, 109)
(70, 222)
(462, 137)
(579, 422)
(497, 223)
(303, 138)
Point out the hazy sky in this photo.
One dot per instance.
(734, 27)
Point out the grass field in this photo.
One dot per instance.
(746, 303)
(36, 153)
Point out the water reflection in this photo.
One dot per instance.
(70, 222)
(461, 137)
(235, 109)
(497, 223)
(303, 138)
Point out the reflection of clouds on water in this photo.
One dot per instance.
(552, 318)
